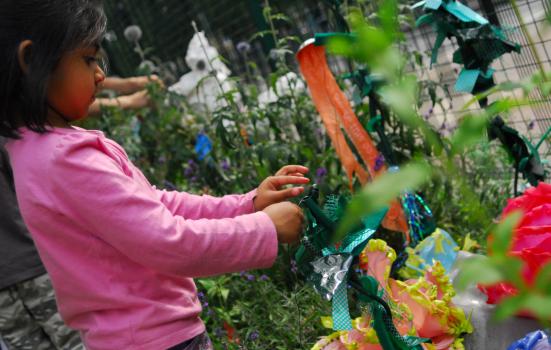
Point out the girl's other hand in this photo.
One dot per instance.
(287, 218)
(136, 100)
(270, 190)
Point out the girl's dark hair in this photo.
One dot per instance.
(55, 27)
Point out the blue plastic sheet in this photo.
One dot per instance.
(537, 340)
(439, 246)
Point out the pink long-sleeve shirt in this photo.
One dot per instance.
(122, 254)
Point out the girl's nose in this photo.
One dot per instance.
(99, 75)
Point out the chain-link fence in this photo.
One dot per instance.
(531, 121)
(166, 26)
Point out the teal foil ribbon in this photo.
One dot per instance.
(351, 246)
(327, 265)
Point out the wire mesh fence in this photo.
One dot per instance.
(167, 29)
(531, 121)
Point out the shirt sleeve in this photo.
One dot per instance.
(92, 188)
(195, 207)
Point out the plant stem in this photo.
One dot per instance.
(529, 38)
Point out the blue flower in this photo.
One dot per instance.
(203, 146)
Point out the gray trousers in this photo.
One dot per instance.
(29, 319)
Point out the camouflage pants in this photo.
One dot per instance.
(29, 319)
(200, 342)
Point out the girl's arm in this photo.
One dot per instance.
(195, 207)
(93, 191)
(271, 190)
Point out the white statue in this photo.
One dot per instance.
(284, 86)
(208, 77)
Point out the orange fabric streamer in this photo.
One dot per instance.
(336, 112)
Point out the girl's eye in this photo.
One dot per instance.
(90, 59)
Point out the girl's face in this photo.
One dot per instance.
(75, 82)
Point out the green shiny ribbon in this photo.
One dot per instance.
(328, 273)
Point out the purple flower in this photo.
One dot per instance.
(250, 277)
(254, 335)
(242, 273)
(379, 162)
(201, 295)
(320, 174)
(225, 165)
(205, 304)
(190, 169)
(264, 278)
(243, 47)
(294, 267)
(319, 133)
(170, 186)
(218, 332)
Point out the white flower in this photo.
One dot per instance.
(278, 54)
(110, 36)
(133, 33)
(148, 67)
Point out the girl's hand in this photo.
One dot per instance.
(287, 218)
(137, 100)
(270, 190)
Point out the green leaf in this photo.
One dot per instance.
(224, 292)
(388, 17)
(511, 268)
(471, 130)
(478, 269)
(503, 233)
(401, 97)
(539, 305)
(508, 307)
(207, 284)
(543, 279)
(379, 193)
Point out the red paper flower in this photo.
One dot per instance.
(531, 238)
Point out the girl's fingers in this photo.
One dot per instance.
(279, 196)
(292, 169)
(279, 181)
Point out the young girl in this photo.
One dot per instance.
(121, 254)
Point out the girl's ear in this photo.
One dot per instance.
(23, 52)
